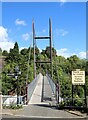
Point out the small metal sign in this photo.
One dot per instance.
(78, 77)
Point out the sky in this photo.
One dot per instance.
(68, 25)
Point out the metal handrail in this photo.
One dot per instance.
(52, 83)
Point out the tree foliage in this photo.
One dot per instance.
(62, 69)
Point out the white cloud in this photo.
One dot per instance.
(82, 54)
(3, 34)
(63, 33)
(6, 45)
(63, 52)
(62, 0)
(60, 32)
(20, 22)
(66, 53)
(43, 30)
(5, 42)
(22, 48)
(26, 36)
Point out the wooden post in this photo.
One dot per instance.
(85, 94)
(72, 95)
(87, 103)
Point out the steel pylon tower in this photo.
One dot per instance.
(42, 38)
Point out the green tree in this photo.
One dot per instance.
(14, 55)
(47, 52)
(5, 53)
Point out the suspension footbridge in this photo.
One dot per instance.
(43, 94)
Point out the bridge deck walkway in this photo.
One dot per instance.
(48, 96)
(36, 96)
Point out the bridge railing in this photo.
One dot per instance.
(52, 84)
(32, 86)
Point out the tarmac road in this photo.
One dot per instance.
(10, 117)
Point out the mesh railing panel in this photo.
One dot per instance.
(52, 84)
(32, 86)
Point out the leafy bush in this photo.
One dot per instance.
(12, 106)
(61, 104)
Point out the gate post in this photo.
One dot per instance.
(72, 95)
(87, 103)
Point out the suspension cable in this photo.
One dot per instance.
(29, 61)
